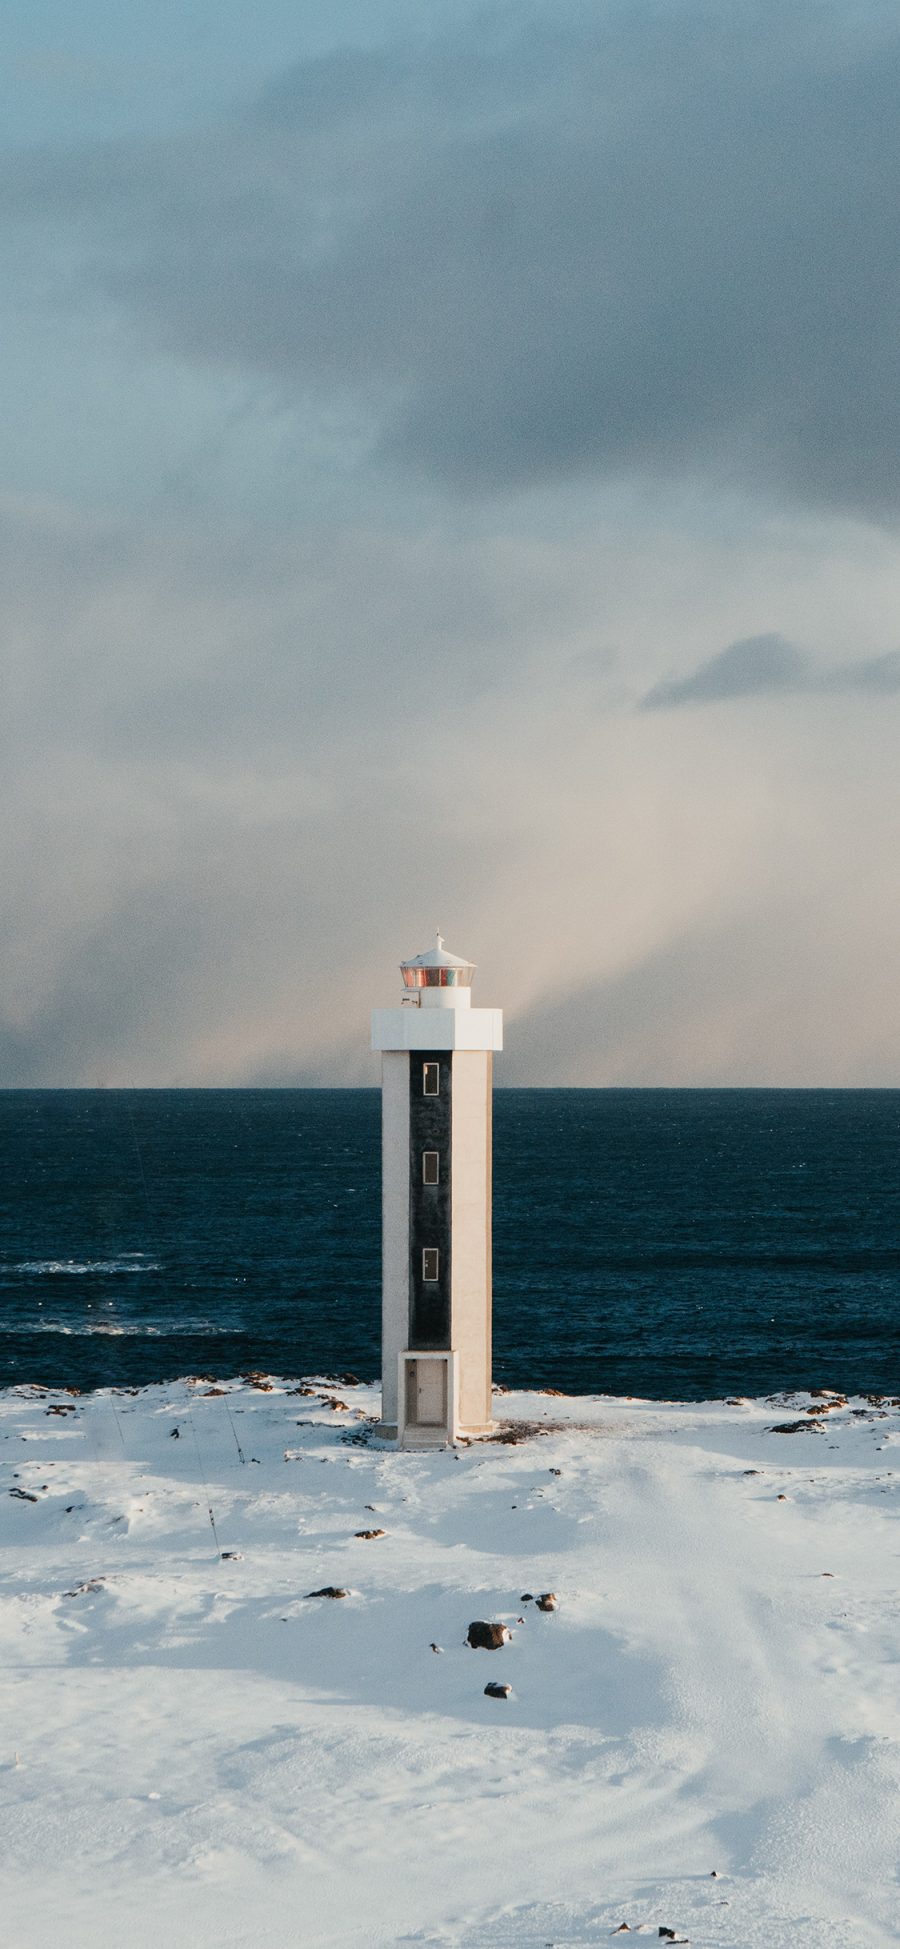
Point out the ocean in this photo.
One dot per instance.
(676, 1244)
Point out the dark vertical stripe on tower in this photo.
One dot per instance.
(429, 1204)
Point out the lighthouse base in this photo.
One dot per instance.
(428, 1399)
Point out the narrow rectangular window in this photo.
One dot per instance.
(431, 1167)
(431, 1079)
(430, 1262)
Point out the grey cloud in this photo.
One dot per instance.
(641, 240)
(159, 644)
(209, 868)
(880, 673)
(746, 669)
(759, 666)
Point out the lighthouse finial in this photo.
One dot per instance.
(439, 938)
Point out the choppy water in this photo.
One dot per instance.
(671, 1243)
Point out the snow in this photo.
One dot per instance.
(194, 1751)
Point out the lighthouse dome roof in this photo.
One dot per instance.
(437, 957)
(437, 968)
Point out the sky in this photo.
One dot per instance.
(450, 480)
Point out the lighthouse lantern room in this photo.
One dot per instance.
(436, 1054)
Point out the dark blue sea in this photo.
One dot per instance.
(681, 1244)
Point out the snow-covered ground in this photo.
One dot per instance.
(193, 1751)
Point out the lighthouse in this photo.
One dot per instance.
(436, 1082)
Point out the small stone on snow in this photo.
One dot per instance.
(487, 1637)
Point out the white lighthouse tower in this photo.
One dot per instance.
(437, 1055)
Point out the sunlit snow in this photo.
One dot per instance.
(196, 1751)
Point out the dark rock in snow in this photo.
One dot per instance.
(487, 1637)
(548, 1601)
(526, 1597)
(328, 1590)
(366, 1535)
(795, 1427)
(493, 1690)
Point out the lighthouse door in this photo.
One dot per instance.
(427, 1407)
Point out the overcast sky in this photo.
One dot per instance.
(451, 479)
